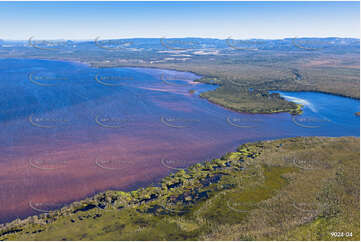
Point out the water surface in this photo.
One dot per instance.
(68, 130)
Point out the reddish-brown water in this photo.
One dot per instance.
(68, 130)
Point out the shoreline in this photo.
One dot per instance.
(142, 202)
(94, 194)
(89, 64)
(198, 74)
(161, 69)
(157, 181)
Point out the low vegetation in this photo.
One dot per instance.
(288, 189)
(249, 100)
(262, 71)
(329, 65)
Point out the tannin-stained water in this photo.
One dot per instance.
(68, 130)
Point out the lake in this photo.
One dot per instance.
(68, 130)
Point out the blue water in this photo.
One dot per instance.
(67, 116)
(327, 113)
(57, 103)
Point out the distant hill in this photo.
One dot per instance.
(330, 43)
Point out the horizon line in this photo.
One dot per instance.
(188, 37)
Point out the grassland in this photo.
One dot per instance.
(288, 189)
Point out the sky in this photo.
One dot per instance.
(238, 20)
